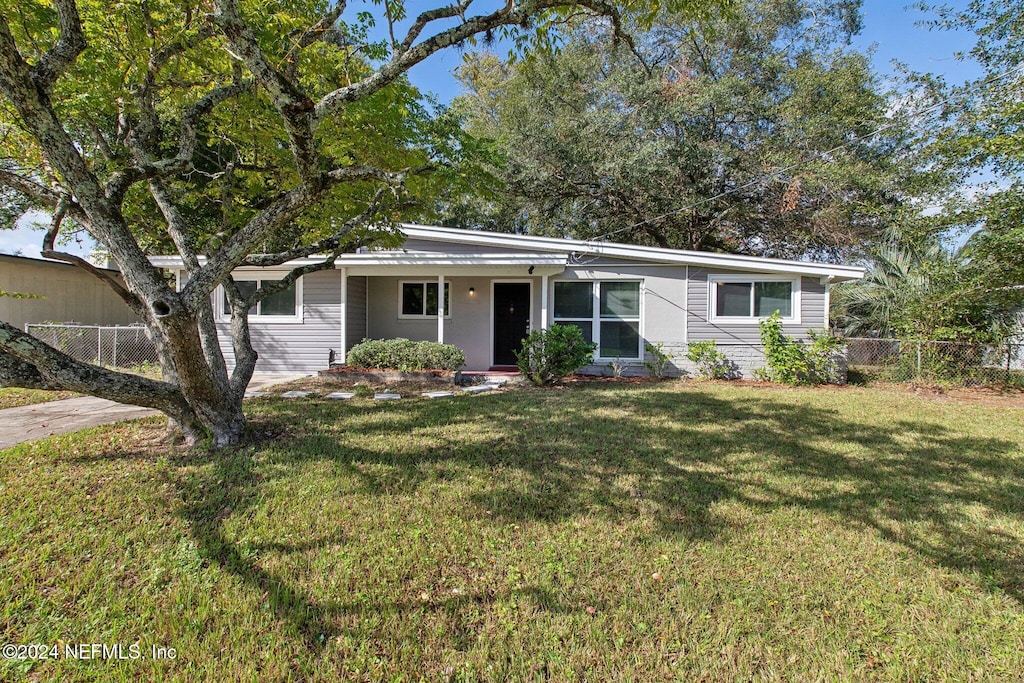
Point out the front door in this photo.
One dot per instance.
(511, 320)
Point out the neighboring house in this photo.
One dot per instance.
(61, 293)
(497, 287)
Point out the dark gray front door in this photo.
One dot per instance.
(511, 319)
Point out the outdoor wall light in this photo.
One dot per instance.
(472, 291)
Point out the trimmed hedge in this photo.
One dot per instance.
(405, 355)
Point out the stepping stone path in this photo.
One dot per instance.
(478, 388)
(339, 396)
(489, 385)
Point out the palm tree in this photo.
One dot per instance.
(898, 279)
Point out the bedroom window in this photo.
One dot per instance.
(606, 312)
(283, 306)
(749, 300)
(419, 300)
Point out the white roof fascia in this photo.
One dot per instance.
(398, 258)
(402, 258)
(678, 256)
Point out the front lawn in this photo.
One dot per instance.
(12, 397)
(674, 531)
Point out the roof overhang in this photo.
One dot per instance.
(396, 263)
(400, 263)
(580, 250)
(551, 255)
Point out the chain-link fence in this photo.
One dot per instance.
(126, 347)
(901, 360)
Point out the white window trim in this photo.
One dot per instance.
(225, 316)
(424, 316)
(713, 280)
(595, 319)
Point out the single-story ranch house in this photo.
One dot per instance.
(497, 287)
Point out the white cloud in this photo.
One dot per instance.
(27, 237)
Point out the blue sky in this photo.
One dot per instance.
(891, 30)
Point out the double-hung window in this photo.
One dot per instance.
(748, 299)
(607, 312)
(419, 299)
(282, 306)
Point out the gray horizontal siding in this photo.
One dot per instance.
(355, 312)
(663, 318)
(700, 327)
(297, 347)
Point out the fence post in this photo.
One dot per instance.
(114, 362)
(918, 359)
(1009, 352)
(99, 346)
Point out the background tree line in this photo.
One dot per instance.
(759, 130)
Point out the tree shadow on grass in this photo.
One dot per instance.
(535, 456)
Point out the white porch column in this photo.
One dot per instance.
(440, 309)
(543, 302)
(344, 314)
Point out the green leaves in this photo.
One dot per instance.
(748, 130)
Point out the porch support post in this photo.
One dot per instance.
(543, 302)
(344, 315)
(440, 309)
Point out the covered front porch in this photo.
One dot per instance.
(484, 304)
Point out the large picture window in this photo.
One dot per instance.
(607, 312)
(283, 306)
(737, 298)
(419, 300)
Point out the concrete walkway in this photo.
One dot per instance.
(29, 423)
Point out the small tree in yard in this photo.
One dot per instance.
(791, 362)
(711, 363)
(549, 355)
(220, 129)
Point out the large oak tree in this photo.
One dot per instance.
(231, 132)
(755, 130)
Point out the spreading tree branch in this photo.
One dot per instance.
(408, 55)
(294, 106)
(59, 369)
(65, 51)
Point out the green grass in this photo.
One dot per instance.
(607, 532)
(11, 397)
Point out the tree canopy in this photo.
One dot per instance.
(756, 130)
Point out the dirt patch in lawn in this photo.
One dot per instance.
(1006, 397)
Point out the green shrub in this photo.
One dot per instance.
(791, 362)
(549, 355)
(711, 363)
(657, 359)
(405, 355)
